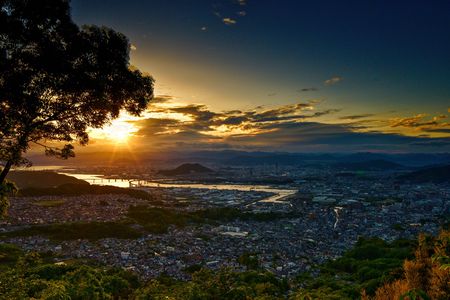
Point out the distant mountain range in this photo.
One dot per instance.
(387, 161)
(370, 165)
(273, 159)
(185, 169)
(438, 174)
(41, 179)
(244, 158)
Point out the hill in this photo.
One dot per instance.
(274, 159)
(185, 169)
(439, 174)
(370, 165)
(41, 179)
(70, 189)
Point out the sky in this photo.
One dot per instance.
(284, 75)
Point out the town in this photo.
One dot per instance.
(309, 221)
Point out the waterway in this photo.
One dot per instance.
(279, 195)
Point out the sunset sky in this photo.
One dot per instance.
(285, 75)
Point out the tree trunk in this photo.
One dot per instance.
(5, 171)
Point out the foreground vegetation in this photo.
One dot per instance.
(369, 264)
(372, 270)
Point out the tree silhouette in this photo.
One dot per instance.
(58, 79)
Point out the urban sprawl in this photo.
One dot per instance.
(324, 215)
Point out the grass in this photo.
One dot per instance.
(74, 231)
(49, 203)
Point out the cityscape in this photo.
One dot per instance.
(224, 150)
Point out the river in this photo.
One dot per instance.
(97, 179)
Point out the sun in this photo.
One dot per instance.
(119, 131)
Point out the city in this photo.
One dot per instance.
(224, 150)
(318, 221)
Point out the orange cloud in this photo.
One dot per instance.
(229, 21)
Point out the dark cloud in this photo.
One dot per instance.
(323, 113)
(198, 112)
(161, 99)
(288, 127)
(306, 136)
(235, 120)
(439, 130)
(310, 89)
(152, 126)
(232, 112)
(421, 121)
(356, 117)
(280, 113)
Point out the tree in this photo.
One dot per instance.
(249, 260)
(426, 276)
(58, 79)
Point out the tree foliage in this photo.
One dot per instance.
(58, 79)
(6, 189)
(31, 278)
(424, 277)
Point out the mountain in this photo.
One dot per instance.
(370, 165)
(252, 160)
(41, 179)
(185, 169)
(169, 158)
(439, 174)
(405, 159)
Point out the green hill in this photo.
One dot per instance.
(186, 169)
(440, 174)
(41, 179)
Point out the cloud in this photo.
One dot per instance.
(439, 130)
(314, 136)
(242, 2)
(290, 127)
(198, 111)
(310, 89)
(161, 99)
(229, 21)
(324, 113)
(333, 80)
(235, 120)
(356, 117)
(420, 121)
(204, 28)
